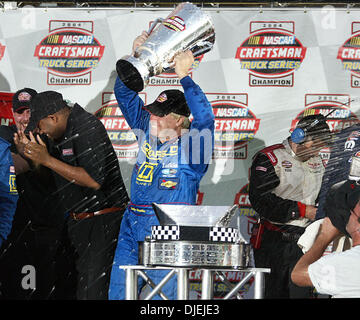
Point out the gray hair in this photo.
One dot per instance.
(186, 122)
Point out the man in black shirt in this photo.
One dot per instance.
(39, 221)
(88, 180)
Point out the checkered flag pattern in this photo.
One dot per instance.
(223, 234)
(165, 232)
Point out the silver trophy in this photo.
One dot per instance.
(185, 28)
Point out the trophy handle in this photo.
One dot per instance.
(153, 25)
(168, 66)
(197, 50)
(203, 45)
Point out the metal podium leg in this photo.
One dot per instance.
(207, 285)
(183, 284)
(151, 284)
(259, 285)
(228, 283)
(131, 284)
(239, 286)
(157, 288)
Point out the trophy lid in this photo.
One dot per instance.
(197, 216)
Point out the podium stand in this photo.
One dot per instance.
(207, 285)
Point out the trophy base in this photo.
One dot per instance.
(129, 75)
(195, 254)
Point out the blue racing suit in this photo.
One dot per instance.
(164, 173)
(8, 192)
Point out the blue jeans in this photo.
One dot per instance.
(135, 227)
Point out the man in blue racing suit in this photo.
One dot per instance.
(173, 157)
(8, 192)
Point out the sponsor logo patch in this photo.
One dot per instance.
(68, 152)
(24, 96)
(161, 98)
(168, 184)
(167, 172)
(260, 168)
(12, 184)
(286, 164)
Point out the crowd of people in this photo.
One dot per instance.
(65, 209)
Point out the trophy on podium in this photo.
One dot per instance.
(195, 236)
(185, 28)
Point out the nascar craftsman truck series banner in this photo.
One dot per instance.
(268, 68)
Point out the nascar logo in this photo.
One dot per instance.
(270, 53)
(235, 125)
(267, 40)
(349, 54)
(336, 109)
(338, 116)
(233, 122)
(340, 119)
(69, 52)
(118, 129)
(121, 136)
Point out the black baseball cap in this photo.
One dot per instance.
(21, 99)
(169, 101)
(42, 105)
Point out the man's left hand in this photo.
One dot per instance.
(183, 62)
(20, 141)
(36, 150)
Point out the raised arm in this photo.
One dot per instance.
(200, 107)
(128, 100)
(327, 233)
(202, 127)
